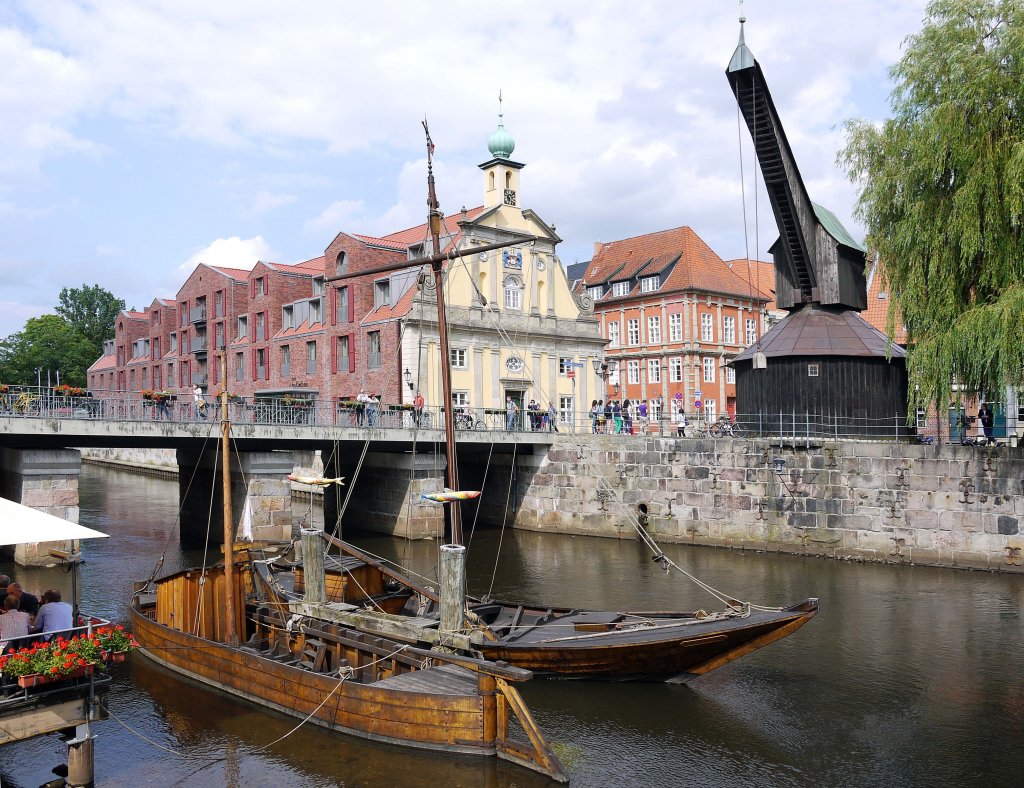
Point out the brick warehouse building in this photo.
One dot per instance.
(673, 313)
(290, 332)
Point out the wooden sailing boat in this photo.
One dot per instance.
(549, 640)
(301, 659)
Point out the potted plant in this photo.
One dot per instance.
(64, 390)
(114, 642)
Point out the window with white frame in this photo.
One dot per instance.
(458, 357)
(709, 369)
(654, 409)
(633, 331)
(513, 293)
(921, 418)
(653, 370)
(729, 330)
(564, 366)
(460, 399)
(566, 410)
(675, 327)
(613, 334)
(730, 375)
(315, 311)
(751, 331)
(654, 330)
(595, 292)
(633, 371)
(675, 370)
(649, 284)
(711, 410)
(707, 327)
(620, 288)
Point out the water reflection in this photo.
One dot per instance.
(907, 677)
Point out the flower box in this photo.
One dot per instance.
(39, 679)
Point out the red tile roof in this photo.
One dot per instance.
(403, 239)
(760, 273)
(878, 305)
(396, 310)
(108, 361)
(697, 268)
(238, 274)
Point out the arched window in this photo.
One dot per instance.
(513, 292)
(508, 180)
(490, 181)
(342, 265)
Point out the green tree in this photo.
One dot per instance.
(92, 310)
(47, 343)
(943, 197)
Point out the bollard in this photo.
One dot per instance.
(313, 566)
(452, 576)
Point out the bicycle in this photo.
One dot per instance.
(27, 404)
(726, 427)
(467, 421)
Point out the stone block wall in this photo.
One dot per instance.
(940, 505)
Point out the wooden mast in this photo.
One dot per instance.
(437, 265)
(230, 634)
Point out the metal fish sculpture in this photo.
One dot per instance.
(450, 495)
(316, 481)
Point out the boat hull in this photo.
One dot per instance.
(397, 717)
(665, 650)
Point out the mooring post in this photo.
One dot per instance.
(452, 578)
(313, 566)
(80, 758)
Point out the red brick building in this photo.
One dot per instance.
(673, 313)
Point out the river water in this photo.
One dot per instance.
(907, 677)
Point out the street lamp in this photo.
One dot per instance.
(408, 378)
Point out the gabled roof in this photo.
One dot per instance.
(108, 361)
(133, 314)
(238, 274)
(403, 239)
(697, 267)
(759, 273)
(312, 267)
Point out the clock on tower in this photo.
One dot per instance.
(510, 197)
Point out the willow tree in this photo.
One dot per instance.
(943, 198)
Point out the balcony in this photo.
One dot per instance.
(197, 345)
(198, 314)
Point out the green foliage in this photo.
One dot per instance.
(92, 311)
(49, 343)
(943, 197)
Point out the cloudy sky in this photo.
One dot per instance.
(142, 136)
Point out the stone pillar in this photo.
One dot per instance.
(387, 492)
(47, 480)
(261, 474)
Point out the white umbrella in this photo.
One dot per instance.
(25, 525)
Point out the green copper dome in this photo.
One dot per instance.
(500, 143)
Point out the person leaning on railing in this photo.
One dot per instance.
(54, 616)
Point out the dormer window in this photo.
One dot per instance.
(318, 285)
(649, 284)
(596, 292)
(288, 316)
(620, 288)
(382, 293)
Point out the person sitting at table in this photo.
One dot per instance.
(28, 603)
(14, 623)
(54, 616)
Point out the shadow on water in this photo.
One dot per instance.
(907, 677)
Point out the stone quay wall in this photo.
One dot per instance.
(942, 505)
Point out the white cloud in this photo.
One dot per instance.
(265, 201)
(233, 252)
(621, 113)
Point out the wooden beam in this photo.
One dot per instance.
(25, 723)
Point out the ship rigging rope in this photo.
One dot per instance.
(603, 485)
(206, 546)
(504, 518)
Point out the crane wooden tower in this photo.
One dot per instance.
(823, 364)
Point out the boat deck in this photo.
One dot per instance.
(439, 680)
